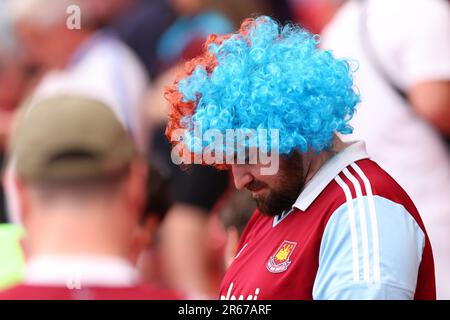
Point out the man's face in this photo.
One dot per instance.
(273, 193)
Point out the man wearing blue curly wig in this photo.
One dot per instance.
(330, 223)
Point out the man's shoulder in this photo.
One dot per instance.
(364, 185)
(376, 235)
(364, 179)
(36, 292)
(368, 177)
(381, 183)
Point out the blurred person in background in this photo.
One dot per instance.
(158, 203)
(13, 83)
(313, 14)
(402, 48)
(234, 216)
(108, 10)
(184, 39)
(199, 18)
(13, 80)
(12, 86)
(81, 183)
(282, 10)
(87, 60)
(140, 27)
(138, 23)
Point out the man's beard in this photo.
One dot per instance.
(282, 196)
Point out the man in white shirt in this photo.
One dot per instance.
(403, 49)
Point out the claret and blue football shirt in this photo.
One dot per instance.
(353, 233)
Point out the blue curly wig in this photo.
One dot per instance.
(265, 76)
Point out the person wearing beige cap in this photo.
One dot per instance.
(82, 187)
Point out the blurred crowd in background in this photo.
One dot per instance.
(127, 51)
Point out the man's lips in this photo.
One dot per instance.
(256, 190)
(256, 187)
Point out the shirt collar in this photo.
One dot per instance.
(353, 152)
(106, 271)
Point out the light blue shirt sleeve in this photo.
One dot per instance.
(371, 249)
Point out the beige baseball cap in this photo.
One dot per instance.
(65, 138)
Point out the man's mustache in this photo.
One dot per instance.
(255, 185)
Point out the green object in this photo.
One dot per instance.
(12, 261)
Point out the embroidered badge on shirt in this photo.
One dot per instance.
(280, 261)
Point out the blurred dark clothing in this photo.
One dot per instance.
(141, 28)
(281, 10)
(159, 200)
(199, 186)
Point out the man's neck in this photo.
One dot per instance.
(77, 233)
(317, 161)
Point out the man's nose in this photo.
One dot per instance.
(241, 176)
